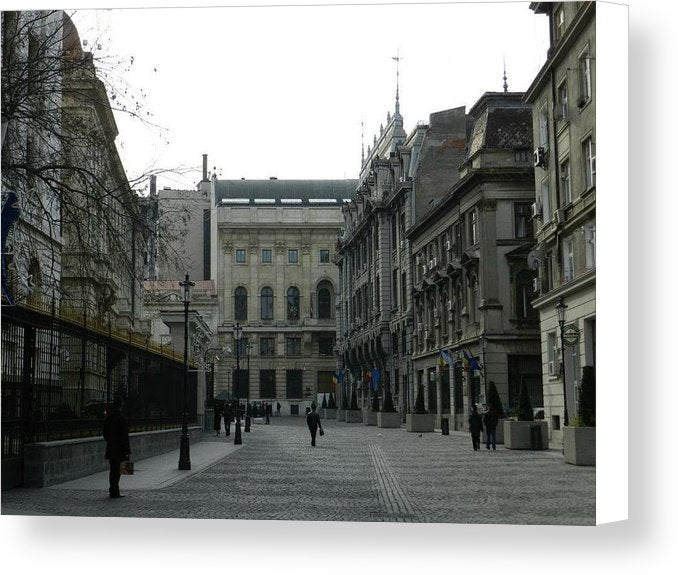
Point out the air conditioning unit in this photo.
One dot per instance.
(560, 216)
(449, 305)
(420, 326)
(448, 245)
(536, 209)
(539, 157)
(535, 285)
(418, 260)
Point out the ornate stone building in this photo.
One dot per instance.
(272, 251)
(564, 112)
(472, 287)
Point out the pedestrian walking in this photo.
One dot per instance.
(313, 422)
(117, 445)
(228, 417)
(475, 426)
(267, 412)
(277, 409)
(217, 420)
(490, 420)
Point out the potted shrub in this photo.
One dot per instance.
(494, 402)
(525, 433)
(370, 414)
(420, 421)
(579, 438)
(353, 413)
(331, 409)
(388, 416)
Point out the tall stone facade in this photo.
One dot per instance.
(564, 110)
(272, 252)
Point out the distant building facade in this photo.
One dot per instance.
(564, 111)
(272, 250)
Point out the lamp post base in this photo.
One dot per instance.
(238, 433)
(184, 452)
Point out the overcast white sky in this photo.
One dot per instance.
(281, 91)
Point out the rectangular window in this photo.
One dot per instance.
(544, 127)
(293, 346)
(266, 256)
(584, 79)
(473, 227)
(267, 346)
(403, 290)
(549, 271)
(590, 239)
(294, 384)
(562, 102)
(326, 345)
(545, 200)
(394, 289)
(565, 182)
(552, 353)
(324, 256)
(240, 256)
(568, 259)
(293, 256)
(558, 24)
(267, 384)
(589, 155)
(522, 214)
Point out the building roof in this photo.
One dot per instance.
(283, 192)
(500, 127)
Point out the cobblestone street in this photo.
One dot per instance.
(356, 473)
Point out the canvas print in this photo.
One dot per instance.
(329, 263)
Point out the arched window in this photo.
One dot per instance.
(324, 301)
(293, 303)
(267, 303)
(240, 304)
(524, 295)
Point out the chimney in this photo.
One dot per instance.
(204, 167)
(153, 192)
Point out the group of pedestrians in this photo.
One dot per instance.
(475, 425)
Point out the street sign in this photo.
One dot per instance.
(571, 335)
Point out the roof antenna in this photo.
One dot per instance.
(397, 58)
(505, 84)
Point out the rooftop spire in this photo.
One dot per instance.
(505, 84)
(397, 58)
(362, 143)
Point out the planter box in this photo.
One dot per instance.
(518, 434)
(354, 416)
(421, 422)
(500, 433)
(330, 413)
(341, 415)
(370, 417)
(579, 445)
(389, 419)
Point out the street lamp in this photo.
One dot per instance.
(247, 405)
(238, 431)
(184, 449)
(560, 309)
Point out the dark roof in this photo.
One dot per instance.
(509, 128)
(277, 190)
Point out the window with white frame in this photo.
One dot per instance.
(568, 259)
(590, 239)
(293, 256)
(240, 256)
(563, 101)
(544, 127)
(589, 157)
(558, 23)
(552, 353)
(522, 213)
(324, 256)
(545, 200)
(266, 256)
(565, 185)
(585, 84)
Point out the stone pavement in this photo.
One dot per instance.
(356, 473)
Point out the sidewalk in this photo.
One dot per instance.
(162, 470)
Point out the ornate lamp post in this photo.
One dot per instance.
(184, 449)
(560, 309)
(247, 405)
(238, 432)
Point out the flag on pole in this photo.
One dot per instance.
(445, 358)
(375, 376)
(470, 362)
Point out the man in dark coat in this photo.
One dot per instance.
(228, 416)
(217, 420)
(313, 422)
(490, 421)
(117, 445)
(475, 426)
